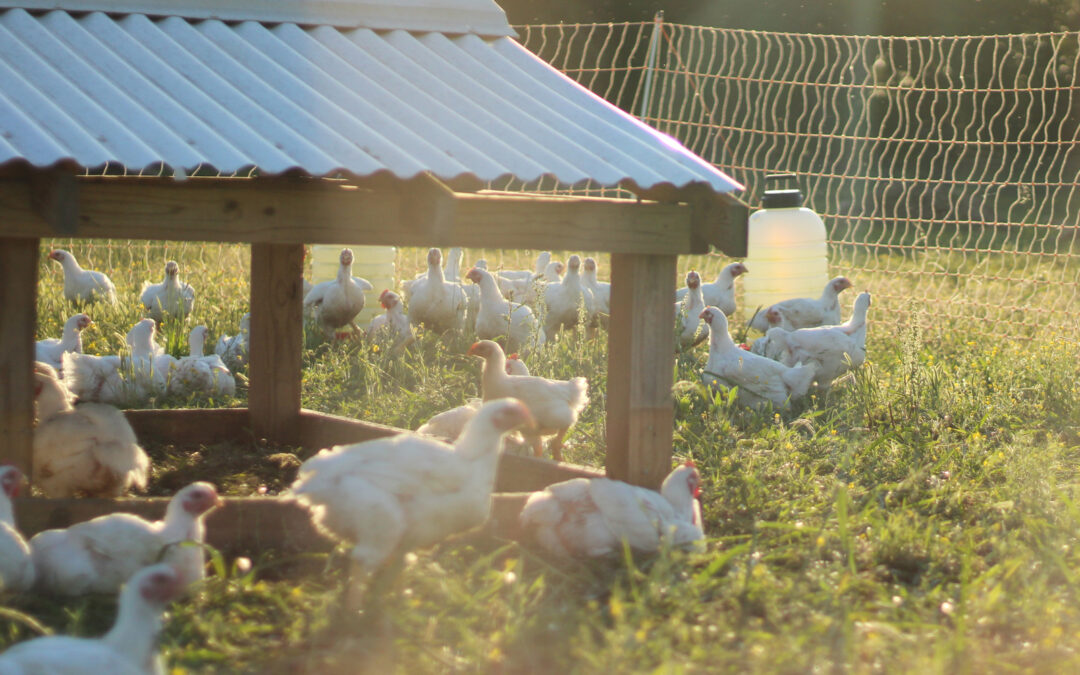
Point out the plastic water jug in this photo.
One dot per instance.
(787, 250)
(374, 263)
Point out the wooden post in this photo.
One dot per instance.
(277, 334)
(18, 319)
(641, 362)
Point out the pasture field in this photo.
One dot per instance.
(921, 518)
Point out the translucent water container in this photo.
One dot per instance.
(787, 249)
(374, 263)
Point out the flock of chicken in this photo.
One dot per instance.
(420, 488)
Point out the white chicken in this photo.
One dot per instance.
(553, 272)
(51, 350)
(831, 350)
(96, 378)
(99, 555)
(808, 312)
(472, 296)
(123, 381)
(692, 331)
(586, 517)
(515, 366)
(337, 302)
(200, 374)
(233, 350)
(720, 293)
(759, 380)
(435, 302)
(89, 449)
(601, 290)
(83, 285)
(554, 404)
(452, 269)
(129, 648)
(171, 297)
(391, 495)
(142, 339)
(765, 347)
(447, 425)
(529, 289)
(394, 320)
(148, 370)
(498, 318)
(542, 262)
(564, 300)
(16, 567)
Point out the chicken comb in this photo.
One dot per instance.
(514, 357)
(690, 462)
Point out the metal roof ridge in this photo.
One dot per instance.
(480, 17)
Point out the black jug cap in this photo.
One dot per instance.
(782, 199)
(789, 198)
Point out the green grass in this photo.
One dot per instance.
(923, 518)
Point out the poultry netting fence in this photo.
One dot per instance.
(945, 168)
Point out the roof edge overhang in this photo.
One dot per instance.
(480, 17)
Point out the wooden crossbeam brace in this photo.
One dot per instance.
(720, 221)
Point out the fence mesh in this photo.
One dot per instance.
(945, 168)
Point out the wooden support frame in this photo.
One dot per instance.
(277, 216)
(18, 319)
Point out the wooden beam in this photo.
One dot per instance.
(577, 224)
(641, 362)
(407, 213)
(505, 509)
(320, 430)
(316, 430)
(515, 473)
(243, 526)
(18, 320)
(191, 425)
(277, 340)
(518, 473)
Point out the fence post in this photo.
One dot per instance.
(650, 63)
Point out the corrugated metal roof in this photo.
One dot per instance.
(482, 17)
(138, 91)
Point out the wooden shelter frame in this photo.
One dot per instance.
(278, 216)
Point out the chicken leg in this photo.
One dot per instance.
(556, 445)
